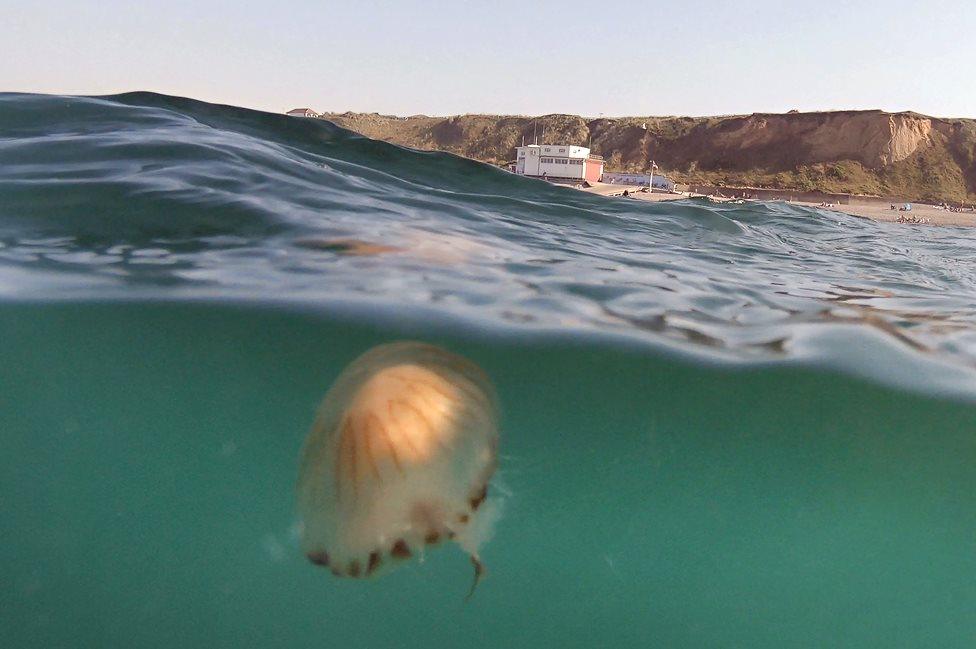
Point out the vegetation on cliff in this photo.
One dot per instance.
(905, 155)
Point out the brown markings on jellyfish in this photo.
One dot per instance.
(479, 497)
(319, 558)
(471, 384)
(429, 413)
(444, 407)
(391, 447)
(368, 448)
(374, 562)
(427, 389)
(418, 439)
(468, 396)
(347, 468)
(352, 465)
(337, 468)
(400, 550)
(394, 421)
(432, 432)
(354, 568)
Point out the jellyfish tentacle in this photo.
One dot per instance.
(479, 571)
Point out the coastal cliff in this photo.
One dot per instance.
(907, 155)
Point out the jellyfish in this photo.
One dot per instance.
(398, 459)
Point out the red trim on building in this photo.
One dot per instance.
(593, 169)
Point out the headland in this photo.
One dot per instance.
(888, 157)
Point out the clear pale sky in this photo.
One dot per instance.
(690, 57)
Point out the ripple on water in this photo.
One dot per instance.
(163, 197)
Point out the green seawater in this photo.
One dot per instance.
(149, 456)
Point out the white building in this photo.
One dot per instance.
(559, 162)
(302, 112)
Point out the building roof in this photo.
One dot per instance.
(571, 150)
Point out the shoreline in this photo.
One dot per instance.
(920, 214)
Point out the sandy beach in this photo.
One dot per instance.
(925, 214)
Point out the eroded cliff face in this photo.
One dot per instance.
(873, 139)
(867, 152)
(908, 134)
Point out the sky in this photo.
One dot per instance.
(693, 57)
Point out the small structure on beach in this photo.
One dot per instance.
(618, 178)
(302, 112)
(558, 162)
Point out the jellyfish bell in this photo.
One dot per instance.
(399, 458)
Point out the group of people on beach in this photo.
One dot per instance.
(949, 208)
(742, 196)
(913, 219)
